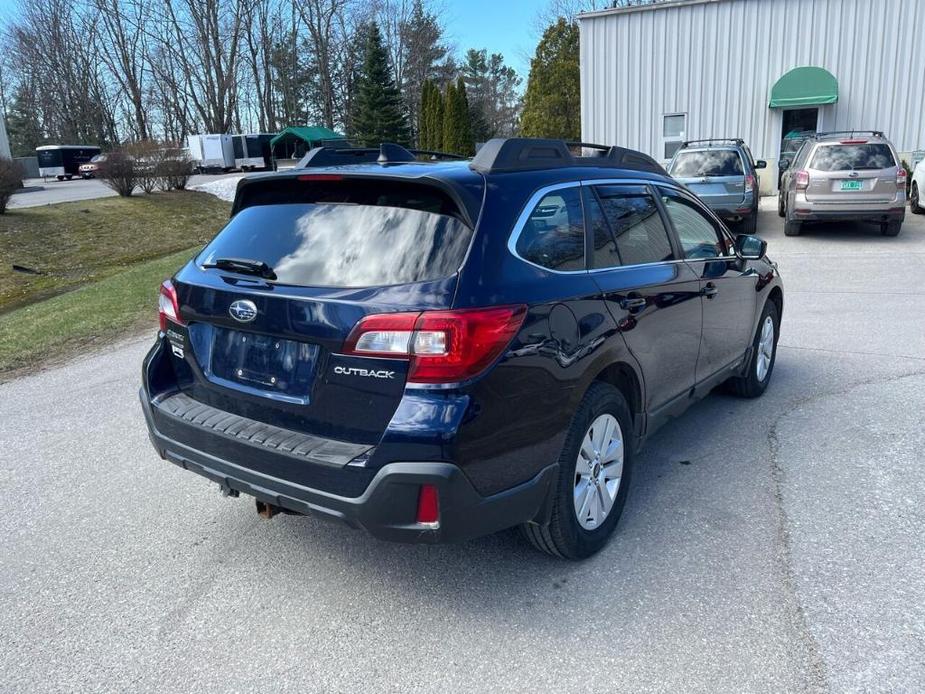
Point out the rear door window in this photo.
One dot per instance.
(633, 219)
(341, 244)
(860, 157)
(713, 162)
(553, 235)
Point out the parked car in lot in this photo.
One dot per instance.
(723, 174)
(917, 188)
(92, 168)
(844, 176)
(437, 351)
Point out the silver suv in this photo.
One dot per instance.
(844, 176)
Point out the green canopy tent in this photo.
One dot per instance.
(296, 140)
(804, 86)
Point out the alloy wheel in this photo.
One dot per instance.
(765, 349)
(598, 471)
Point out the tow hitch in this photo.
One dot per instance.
(265, 510)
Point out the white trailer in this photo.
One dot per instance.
(211, 152)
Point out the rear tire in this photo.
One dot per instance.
(764, 354)
(891, 228)
(781, 209)
(914, 200)
(792, 228)
(585, 477)
(750, 224)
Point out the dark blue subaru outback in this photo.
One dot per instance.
(439, 350)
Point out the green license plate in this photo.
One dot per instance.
(852, 185)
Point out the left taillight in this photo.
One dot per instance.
(441, 346)
(168, 306)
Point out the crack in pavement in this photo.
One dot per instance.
(818, 671)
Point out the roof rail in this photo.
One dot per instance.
(875, 133)
(737, 140)
(342, 152)
(532, 154)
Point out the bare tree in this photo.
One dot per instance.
(123, 47)
(322, 20)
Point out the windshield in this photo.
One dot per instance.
(839, 157)
(343, 244)
(714, 162)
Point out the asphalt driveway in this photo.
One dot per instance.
(772, 545)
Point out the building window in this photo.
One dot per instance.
(674, 128)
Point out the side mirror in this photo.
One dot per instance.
(751, 247)
(784, 164)
(761, 164)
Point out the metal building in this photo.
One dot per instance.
(655, 75)
(4, 141)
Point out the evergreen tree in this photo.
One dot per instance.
(457, 126)
(379, 116)
(424, 134)
(435, 117)
(552, 103)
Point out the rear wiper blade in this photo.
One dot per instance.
(244, 266)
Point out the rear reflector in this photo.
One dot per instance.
(428, 505)
(441, 346)
(168, 306)
(801, 181)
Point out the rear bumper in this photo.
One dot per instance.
(816, 214)
(387, 507)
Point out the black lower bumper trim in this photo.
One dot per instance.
(387, 507)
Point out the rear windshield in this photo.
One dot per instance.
(840, 157)
(343, 244)
(714, 162)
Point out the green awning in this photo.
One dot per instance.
(804, 86)
(310, 135)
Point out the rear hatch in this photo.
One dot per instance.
(715, 175)
(852, 173)
(269, 304)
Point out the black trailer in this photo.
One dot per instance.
(63, 161)
(252, 151)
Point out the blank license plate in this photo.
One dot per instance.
(852, 185)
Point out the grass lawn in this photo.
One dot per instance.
(102, 263)
(100, 311)
(75, 243)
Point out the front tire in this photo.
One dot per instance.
(914, 200)
(781, 209)
(594, 476)
(764, 354)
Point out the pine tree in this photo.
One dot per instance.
(435, 114)
(552, 103)
(424, 135)
(450, 119)
(457, 126)
(379, 115)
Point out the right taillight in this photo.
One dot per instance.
(901, 178)
(441, 346)
(801, 180)
(168, 306)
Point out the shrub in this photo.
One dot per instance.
(119, 173)
(11, 174)
(175, 171)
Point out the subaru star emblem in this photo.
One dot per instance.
(243, 310)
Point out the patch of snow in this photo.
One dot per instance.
(223, 188)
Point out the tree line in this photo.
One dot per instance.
(114, 71)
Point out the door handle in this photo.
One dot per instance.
(633, 304)
(709, 290)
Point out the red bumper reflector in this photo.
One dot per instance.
(428, 505)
